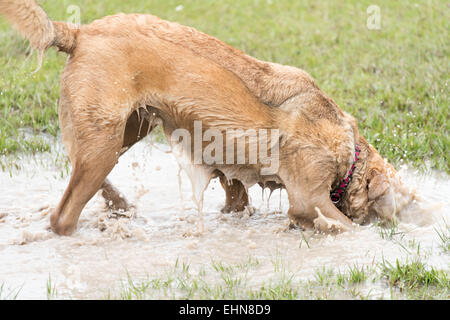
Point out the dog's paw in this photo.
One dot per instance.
(226, 209)
(247, 212)
(327, 225)
(230, 208)
(114, 200)
(118, 203)
(118, 214)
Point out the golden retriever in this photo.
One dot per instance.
(125, 74)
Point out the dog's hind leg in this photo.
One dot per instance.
(88, 174)
(236, 195)
(93, 151)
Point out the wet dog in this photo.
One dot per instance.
(126, 74)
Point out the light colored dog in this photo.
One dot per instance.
(127, 73)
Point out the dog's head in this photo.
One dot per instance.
(376, 189)
(381, 186)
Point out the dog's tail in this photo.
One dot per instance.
(33, 23)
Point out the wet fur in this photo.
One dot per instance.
(126, 71)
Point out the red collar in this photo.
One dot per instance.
(338, 193)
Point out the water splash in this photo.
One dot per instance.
(107, 248)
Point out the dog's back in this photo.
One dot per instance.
(271, 83)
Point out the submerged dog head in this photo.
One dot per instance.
(381, 186)
(376, 189)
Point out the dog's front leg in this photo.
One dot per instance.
(319, 214)
(236, 195)
(310, 206)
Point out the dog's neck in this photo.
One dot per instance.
(339, 192)
(354, 202)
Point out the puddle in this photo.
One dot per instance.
(163, 228)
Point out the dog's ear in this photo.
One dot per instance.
(377, 186)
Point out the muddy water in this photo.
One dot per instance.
(163, 228)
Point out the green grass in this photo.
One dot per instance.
(387, 230)
(52, 292)
(8, 293)
(443, 233)
(415, 280)
(229, 281)
(356, 274)
(225, 281)
(393, 80)
(219, 280)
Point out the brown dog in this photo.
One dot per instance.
(127, 73)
